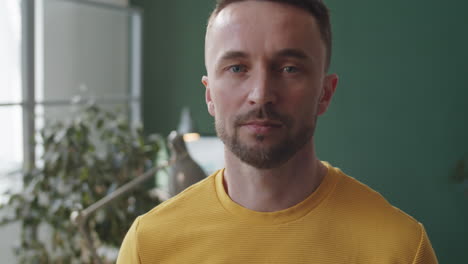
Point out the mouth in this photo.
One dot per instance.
(263, 123)
(262, 126)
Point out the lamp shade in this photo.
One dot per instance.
(187, 127)
(186, 123)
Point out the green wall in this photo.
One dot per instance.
(173, 63)
(398, 121)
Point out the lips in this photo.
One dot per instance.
(262, 126)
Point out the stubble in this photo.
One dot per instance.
(265, 156)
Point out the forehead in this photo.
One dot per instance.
(253, 9)
(260, 27)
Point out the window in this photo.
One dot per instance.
(53, 50)
(11, 132)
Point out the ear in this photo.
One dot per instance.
(208, 100)
(328, 89)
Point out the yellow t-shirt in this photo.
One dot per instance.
(343, 221)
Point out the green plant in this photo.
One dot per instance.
(84, 159)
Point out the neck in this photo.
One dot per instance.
(269, 190)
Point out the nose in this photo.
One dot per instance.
(262, 91)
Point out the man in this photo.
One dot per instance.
(275, 202)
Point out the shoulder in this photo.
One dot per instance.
(181, 207)
(372, 206)
(369, 213)
(367, 198)
(153, 232)
(362, 216)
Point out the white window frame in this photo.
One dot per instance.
(32, 70)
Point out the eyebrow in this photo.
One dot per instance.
(294, 53)
(233, 55)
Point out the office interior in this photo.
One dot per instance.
(398, 121)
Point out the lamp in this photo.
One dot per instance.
(185, 170)
(187, 126)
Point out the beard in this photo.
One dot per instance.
(265, 157)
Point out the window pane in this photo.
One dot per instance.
(11, 145)
(10, 51)
(86, 47)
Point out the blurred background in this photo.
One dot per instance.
(398, 122)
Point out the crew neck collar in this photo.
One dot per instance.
(278, 217)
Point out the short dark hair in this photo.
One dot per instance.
(315, 7)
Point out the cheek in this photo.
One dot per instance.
(301, 104)
(301, 98)
(224, 111)
(227, 99)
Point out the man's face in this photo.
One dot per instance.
(266, 80)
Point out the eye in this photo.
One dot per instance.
(237, 68)
(290, 69)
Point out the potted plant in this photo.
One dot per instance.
(84, 159)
